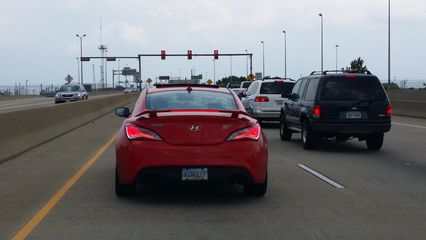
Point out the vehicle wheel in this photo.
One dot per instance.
(56, 102)
(285, 133)
(123, 190)
(256, 189)
(309, 138)
(375, 141)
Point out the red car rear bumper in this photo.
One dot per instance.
(133, 157)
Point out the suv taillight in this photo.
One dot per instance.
(316, 111)
(389, 111)
(261, 99)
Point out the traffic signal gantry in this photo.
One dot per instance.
(189, 55)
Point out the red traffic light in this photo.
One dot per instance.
(216, 54)
(163, 54)
(189, 54)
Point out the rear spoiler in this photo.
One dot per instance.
(154, 113)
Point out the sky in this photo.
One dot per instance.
(38, 42)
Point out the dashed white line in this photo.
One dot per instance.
(320, 176)
(409, 125)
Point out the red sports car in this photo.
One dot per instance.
(196, 133)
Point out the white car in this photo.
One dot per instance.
(263, 99)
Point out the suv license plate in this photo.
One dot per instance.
(194, 174)
(353, 115)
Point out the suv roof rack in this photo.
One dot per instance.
(339, 71)
(276, 78)
(185, 85)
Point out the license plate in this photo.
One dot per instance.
(353, 115)
(279, 102)
(194, 174)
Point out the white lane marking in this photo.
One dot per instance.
(409, 125)
(320, 176)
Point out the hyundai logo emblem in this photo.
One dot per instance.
(194, 128)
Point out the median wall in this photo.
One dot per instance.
(26, 129)
(410, 103)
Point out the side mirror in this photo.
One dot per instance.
(122, 112)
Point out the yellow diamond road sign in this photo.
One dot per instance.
(149, 81)
(209, 82)
(251, 77)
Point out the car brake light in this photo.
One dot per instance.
(316, 111)
(350, 75)
(133, 132)
(261, 99)
(389, 111)
(279, 81)
(251, 133)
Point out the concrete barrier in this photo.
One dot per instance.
(26, 129)
(410, 103)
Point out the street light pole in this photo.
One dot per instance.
(337, 52)
(78, 68)
(26, 87)
(285, 54)
(322, 42)
(81, 55)
(214, 72)
(247, 73)
(263, 54)
(389, 43)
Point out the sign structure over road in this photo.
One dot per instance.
(68, 78)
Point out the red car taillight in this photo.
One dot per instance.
(134, 132)
(251, 133)
(261, 99)
(389, 111)
(316, 111)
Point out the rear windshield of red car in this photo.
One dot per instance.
(182, 99)
(356, 88)
(277, 87)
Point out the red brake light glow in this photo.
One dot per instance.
(261, 99)
(133, 132)
(389, 111)
(350, 75)
(316, 111)
(251, 133)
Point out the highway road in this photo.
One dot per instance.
(16, 104)
(64, 189)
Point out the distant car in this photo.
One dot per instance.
(71, 92)
(263, 99)
(244, 84)
(238, 91)
(339, 105)
(128, 90)
(185, 134)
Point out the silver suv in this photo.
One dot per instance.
(263, 99)
(71, 92)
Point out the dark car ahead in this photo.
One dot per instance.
(338, 105)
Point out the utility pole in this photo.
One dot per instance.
(81, 54)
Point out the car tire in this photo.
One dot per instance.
(285, 133)
(256, 189)
(123, 190)
(375, 141)
(309, 138)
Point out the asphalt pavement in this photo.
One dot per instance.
(382, 194)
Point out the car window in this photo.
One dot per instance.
(312, 89)
(246, 84)
(190, 100)
(358, 88)
(277, 87)
(252, 89)
(302, 88)
(69, 88)
(296, 86)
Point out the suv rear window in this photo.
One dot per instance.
(359, 88)
(277, 87)
(194, 100)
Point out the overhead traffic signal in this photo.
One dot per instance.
(163, 54)
(189, 54)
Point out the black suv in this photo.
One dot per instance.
(337, 105)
